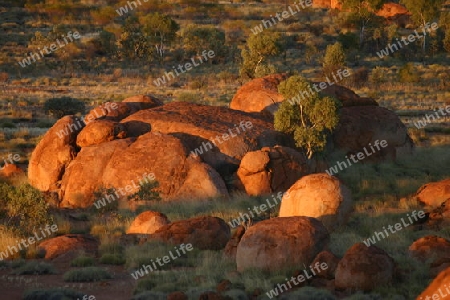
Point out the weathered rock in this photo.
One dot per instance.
(438, 288)
(84, 174)
(204, 233)
(279, 243)
(231, 247)
(119, 110)
(364, 268)
(320, 196)
(219, 135)
(60, 245)
(395, 13)
(148, 222)
(179, 176)
(433, 250)
(360, 126)
(434, 193)
(53, 153)
(330, 259)
(100, 131)
(259, 94)
(271, 169)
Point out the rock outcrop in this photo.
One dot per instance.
(279, 243)
(271, 170)
(320, 196)
(434, 193)
(148, 222)
(204, 233)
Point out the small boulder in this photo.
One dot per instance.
(231, 247)
(204, 233)
(434, 193)
(60, 245)
(271, 170)
(320, 196)
(278, 243)
(438, 288)
(330, 259)
(364, 268)
(148, 222)
(10, 170)
(431, 249)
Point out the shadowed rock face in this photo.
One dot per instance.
(364, 268)
(279, 243)
(164, 141)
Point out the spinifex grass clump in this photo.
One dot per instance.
(86, 275)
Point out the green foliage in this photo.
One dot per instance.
(334, 59)
(106, 195)
(112, 259)
(35, 268)
(197, 39)
(147, 191)
(59, 107)
(82, 261)
(259, 47)
(348, 40)
(144, 285)
(26, 208)
(377, 75)
(86, 275)
(309, 120)
(54, 293)
(408, 73)
(160, 31)
(263, 70)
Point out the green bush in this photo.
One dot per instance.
(147, 191)
(112, 259)
(26, 208)
(86, 275)
(82, 261)
(53, 294)
(35, 268)
(144, 285)
(59, 107)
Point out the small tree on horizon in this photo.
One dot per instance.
(310, 120)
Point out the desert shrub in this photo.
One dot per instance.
(348, 40)
(112, 259)
(53, 294)
(147, 191)
(35, 268)
(334, 59)
(187, 97)
(86, 275)
(265, 69)
(360, 76)
(144, 285)
(378, 75)
(26, 208)
(408, 73)
(307, 293)
(105, 200)
(59, 107)
(82, 261)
